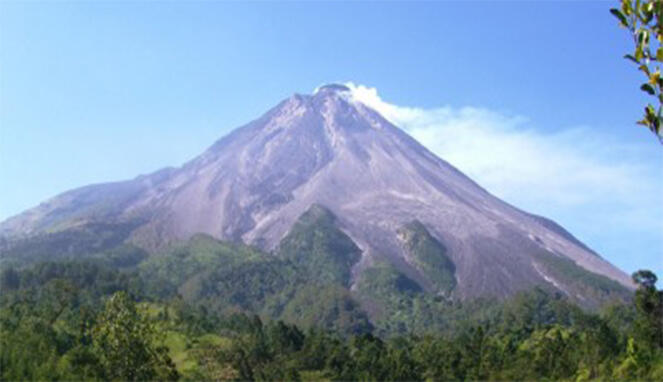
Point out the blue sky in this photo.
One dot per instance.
(532, 99)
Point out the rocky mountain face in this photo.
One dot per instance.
(327, 159)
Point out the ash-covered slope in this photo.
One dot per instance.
(328, 149)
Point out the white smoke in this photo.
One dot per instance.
(592, 182)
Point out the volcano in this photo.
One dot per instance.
(327, 154)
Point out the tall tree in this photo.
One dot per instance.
(648, 324)
(125, 343)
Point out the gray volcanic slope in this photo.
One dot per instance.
(331, 150)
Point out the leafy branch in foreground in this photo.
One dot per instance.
(642, 18)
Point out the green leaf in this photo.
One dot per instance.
(618, 14)
(647, 88)
(647, 12)
(643, 37)
(639, 54)
(630, 57)
(650, 112)
(650, 6)
(659, 54)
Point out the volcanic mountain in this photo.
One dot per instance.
(329, 156)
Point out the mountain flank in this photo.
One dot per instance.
(326, 185)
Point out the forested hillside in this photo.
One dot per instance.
(208, 310)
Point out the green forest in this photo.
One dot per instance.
(96, 308)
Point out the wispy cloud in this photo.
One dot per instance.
(579, 175)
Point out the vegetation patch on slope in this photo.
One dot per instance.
(585, 286)
(429, 256)
(318, 247)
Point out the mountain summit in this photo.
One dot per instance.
(329, 155)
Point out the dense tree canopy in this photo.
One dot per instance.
(57, 322)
